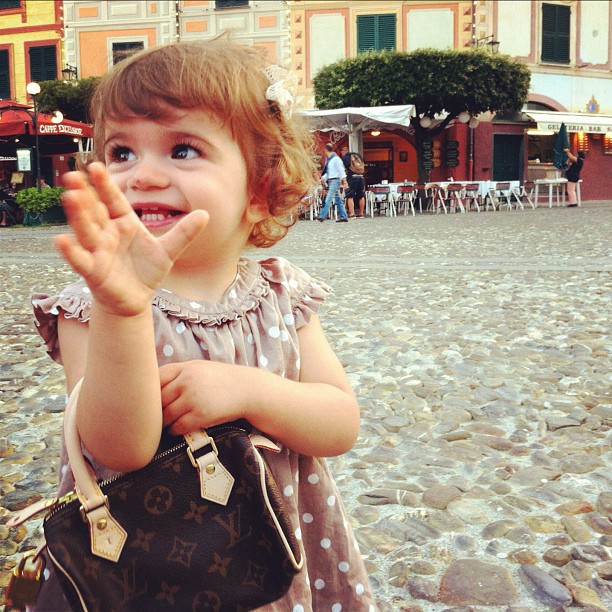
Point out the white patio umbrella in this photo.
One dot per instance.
(353, 119)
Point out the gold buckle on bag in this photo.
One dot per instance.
(193, 459)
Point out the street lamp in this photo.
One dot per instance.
(69, 73)
(489, 42)
(34, 89)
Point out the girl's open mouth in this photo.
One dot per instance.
(154, 216)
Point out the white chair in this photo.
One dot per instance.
(471, 193)
(452, 195)
(435, 201)
(499, 195)
(406, 195)
(383, 200)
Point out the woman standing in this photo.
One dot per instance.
(572, 174)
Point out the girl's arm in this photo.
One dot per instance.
(119, 408)
(317, 416)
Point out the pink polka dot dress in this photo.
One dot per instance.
(256, 325)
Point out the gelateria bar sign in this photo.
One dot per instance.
(574, 122)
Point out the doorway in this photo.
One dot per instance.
(379, 161)
(508, 156)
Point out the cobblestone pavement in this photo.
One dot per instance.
(479, 346)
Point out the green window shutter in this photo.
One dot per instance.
(386, 32)
(9, 4)
(5, 80)
(556, 21)
(376, 32)
(43, 63)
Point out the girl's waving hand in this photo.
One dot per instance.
(122, 262)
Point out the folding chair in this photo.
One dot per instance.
(383, 200)
(406, 195)
(435, 201)
(498, 195)
(471, 193)
(526, 190)
(452, 195)
(421, 194)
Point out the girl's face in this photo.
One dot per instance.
(184, 162)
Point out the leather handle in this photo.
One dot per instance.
(107, 536)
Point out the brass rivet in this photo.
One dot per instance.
(101, 524)
(210, 469)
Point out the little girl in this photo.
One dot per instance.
(170, 327)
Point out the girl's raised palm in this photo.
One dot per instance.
(122, 263)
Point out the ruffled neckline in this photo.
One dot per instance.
(243, 295)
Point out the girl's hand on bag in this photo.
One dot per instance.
(122, 263)
(200, 393)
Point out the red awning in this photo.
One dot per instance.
(17, 121)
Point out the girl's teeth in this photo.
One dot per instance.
(152, 217)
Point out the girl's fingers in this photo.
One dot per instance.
(183, 233)
(114, 200)
(80, 259)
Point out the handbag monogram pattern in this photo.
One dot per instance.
(202, 527)
(182, 552)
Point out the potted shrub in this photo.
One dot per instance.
(35, 203)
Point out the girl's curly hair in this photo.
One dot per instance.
(226, 79)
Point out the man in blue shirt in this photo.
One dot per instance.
(334, 175)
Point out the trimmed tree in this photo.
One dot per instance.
(70, 97)
(435, 81)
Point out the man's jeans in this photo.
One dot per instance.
(333, 192)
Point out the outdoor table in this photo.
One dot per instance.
(553, 184)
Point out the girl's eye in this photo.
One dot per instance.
(185, 151)
(121, 154)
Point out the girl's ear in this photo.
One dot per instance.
(258, 205)
(257, 210)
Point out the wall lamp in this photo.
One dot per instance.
(69, 73)
(490, 43)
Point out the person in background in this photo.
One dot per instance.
(572, 174)
(334, 176)
(356, 182)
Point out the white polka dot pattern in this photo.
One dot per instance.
(256, 324)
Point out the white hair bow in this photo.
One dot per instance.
(282, 89)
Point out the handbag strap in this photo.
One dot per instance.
(107, 536)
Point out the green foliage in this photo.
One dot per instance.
(35, 202)
(70, 97)
(433, 80)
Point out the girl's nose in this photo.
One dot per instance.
(148, 173)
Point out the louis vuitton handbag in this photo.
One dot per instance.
(201, 527)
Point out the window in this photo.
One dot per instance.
(5, 75)
(375, 32)
(122, 49)
(223, 4)
(556, 33)
(43, 63)
(9, 4)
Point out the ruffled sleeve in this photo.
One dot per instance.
(306, 294)
(73, 302)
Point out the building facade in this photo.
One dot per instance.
(98, 33)
(30, 45)
(565, 44)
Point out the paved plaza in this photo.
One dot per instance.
(479, 347)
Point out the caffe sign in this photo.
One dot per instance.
(46, 129)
